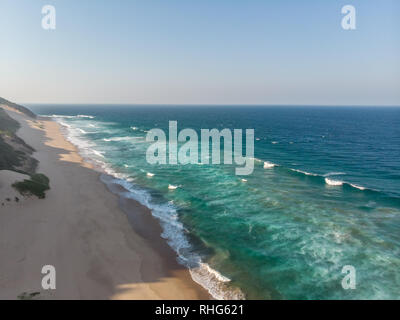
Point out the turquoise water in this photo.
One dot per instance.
(325, 193)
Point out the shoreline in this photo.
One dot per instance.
(101, 248)
(159, 233)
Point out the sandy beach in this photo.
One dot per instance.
(84, 231)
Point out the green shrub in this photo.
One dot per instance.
(40, 178)
(27, 296)
(37, 185)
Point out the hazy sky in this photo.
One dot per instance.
(201, 51)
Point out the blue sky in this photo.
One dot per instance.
(201, 52)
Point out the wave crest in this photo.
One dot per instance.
(269, 165)
(333, 182)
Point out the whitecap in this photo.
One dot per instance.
(97, 153)
(127, 138)
(334, 174)
(304, 172)
(84, 116)
(269, 165)
(357, 186)
(64, 124)
(333, 182)
(70, 117)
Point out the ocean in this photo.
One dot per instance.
(325, 193)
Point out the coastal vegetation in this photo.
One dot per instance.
(28, 296)
(16, 155)
(37, 185)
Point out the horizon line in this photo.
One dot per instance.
(211, 104)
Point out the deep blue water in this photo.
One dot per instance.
(331, 199)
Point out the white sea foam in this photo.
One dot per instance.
(339, 183)
(333, 182)
(174, 232)
(266, 164)
(58, 116)
(110, 171)
(357, 186)
(329, 174)
(305, 172)
(127, 138)
(84, 116)
(97, 153)
(219, 276)
(269, 165)
(214, 282)
(64, 124)
(69, 117)
(74, 135)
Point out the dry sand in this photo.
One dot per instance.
(80, 229)
(8, 195)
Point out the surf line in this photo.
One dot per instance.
(188, 152)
